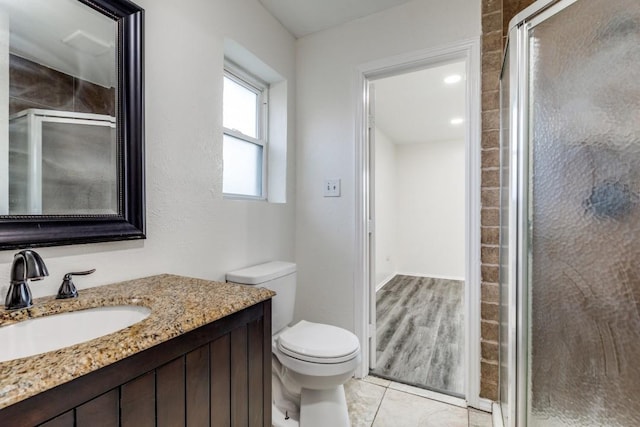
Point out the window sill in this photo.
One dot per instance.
(243, 197)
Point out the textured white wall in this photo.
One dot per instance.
(419, 209)
(430, 209)
(326, 96)
(191, 229)
(386, 209)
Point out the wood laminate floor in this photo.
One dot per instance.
(420, 333)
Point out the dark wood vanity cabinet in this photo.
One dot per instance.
(217, 375)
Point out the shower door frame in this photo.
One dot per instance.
(519, 217)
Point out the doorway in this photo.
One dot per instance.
(415, 275)
(418, 193)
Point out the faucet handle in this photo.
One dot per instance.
(67, 288)
(81, 273)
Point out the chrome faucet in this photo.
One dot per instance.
(27, 265)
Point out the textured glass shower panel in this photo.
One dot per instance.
(584, 367)
(62, 165)
(79, 169)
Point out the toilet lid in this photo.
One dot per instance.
(318, 342)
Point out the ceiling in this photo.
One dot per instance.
(410, 108)
(418, 107)
(64, 35)
(302, 17)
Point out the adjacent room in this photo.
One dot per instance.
(419, 211)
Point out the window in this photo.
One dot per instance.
(244, 112)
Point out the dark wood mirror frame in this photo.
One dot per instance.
(36, 231)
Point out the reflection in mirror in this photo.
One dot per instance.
(59, 153)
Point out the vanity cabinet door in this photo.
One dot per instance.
(138, 402)
(64, 420)
(197, 387)
(258, 365)
(103, 411)
(220, 380)
(239, 378)
(170, 393)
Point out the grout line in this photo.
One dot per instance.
(387, 388)
(379, 405)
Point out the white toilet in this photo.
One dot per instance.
(312, 360)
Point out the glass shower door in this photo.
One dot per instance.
(62, 163)
(581, 182)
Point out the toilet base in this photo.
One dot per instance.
(279, 419)
(321, 408)
(317, 408)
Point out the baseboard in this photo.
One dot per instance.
(385, 281)
(433, 276)
(497, 415)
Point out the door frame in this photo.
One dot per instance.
(469, 52)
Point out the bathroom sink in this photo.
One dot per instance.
(48, 333)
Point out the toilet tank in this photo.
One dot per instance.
(278, 276)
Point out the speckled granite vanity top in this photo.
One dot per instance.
(178, 305)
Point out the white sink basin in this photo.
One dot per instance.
(48, 333)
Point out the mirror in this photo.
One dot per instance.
(71, 122)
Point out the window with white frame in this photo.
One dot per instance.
(244, 119)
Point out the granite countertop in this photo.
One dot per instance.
(178, 304)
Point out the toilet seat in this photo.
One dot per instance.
(318, 343)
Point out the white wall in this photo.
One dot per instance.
(431, 209)
(386, 209)
(191, 229)
(326, 108)
(419, 209)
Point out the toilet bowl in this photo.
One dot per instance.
(311, 361)
(315, 360)
(319, 355)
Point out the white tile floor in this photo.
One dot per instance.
(375, 402)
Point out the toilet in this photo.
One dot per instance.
(311, 361)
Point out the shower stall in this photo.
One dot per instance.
(61, 163)
(570, 215)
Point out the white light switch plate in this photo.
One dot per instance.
(332, 188)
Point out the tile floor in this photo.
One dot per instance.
(374, 402)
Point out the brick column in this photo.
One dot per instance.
(492, 42)
(495, 20)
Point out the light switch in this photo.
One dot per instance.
(332, 188)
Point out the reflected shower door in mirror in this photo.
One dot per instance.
(62, 163)
(59, 151)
